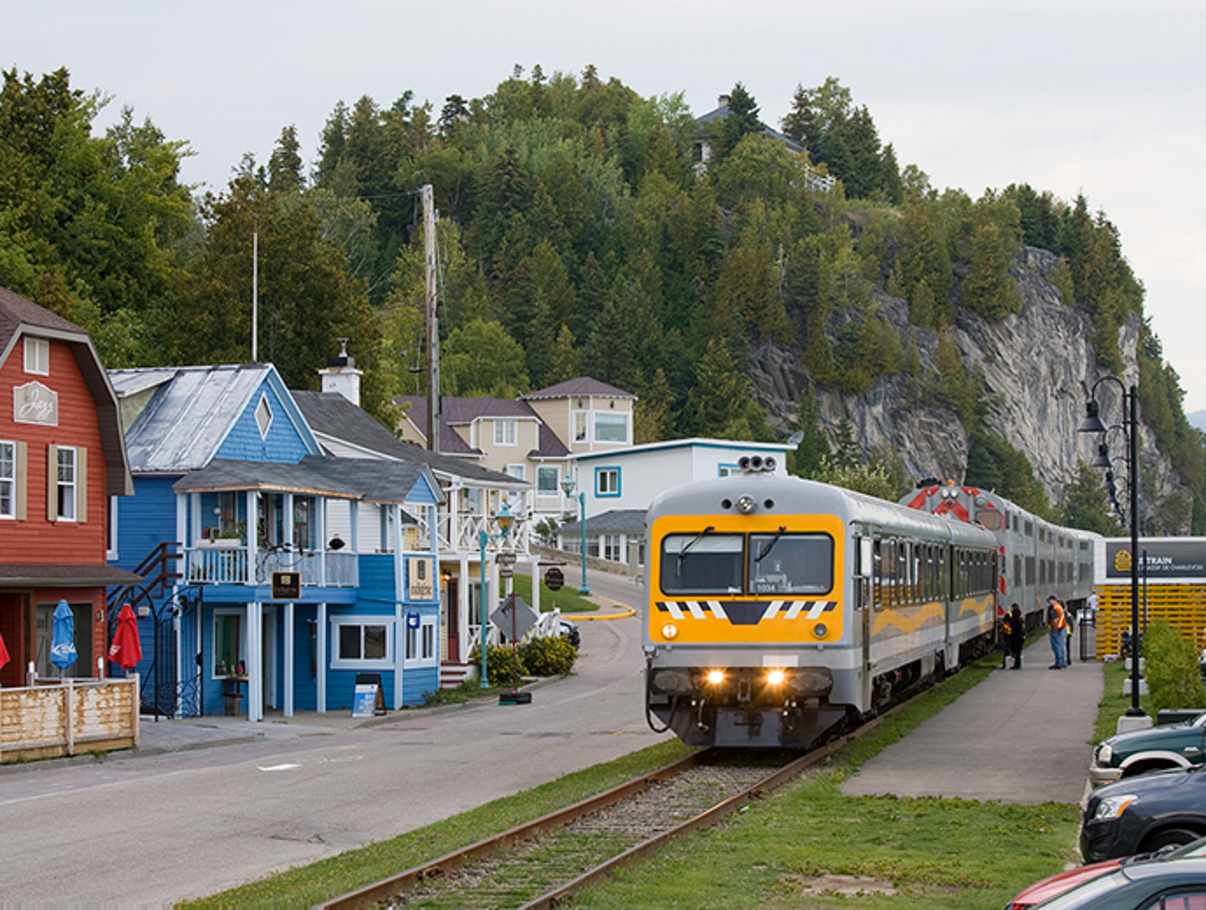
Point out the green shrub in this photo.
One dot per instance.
(1173, 677)
(552, 656)
(503, 665)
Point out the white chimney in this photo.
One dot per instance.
(722, 100)
(341, 375)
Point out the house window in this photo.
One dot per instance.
(611, 427)
(516, 470)
(581, 422)
(547, 480)
(421, 643)
(505, 432)
(229, 659)
(263, 416)
(726, 470)
(67, 484)
(37, 356)
(610, 547)
(607, 481)
(362, 643)
(8, 480)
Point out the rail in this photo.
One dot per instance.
(211, 565)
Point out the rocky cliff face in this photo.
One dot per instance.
(1033, 365)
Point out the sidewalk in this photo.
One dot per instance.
(1018, 737)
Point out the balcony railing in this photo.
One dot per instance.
(209, 565)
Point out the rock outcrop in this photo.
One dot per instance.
(1035, 366)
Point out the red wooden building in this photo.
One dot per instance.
(62, 459)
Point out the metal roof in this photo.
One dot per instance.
(701, 441)
(615, 521)
(64, 576)
(188, 416)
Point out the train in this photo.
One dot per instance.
(779, 610)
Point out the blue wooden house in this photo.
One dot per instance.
(230, 490)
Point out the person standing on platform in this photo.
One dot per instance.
(1017, 636)
(1057, 623)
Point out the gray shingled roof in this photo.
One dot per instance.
(17, 314)
(189, 414)
(369, 479)
(548, 446)
(616, 521)
(330, 414)
(415, 407)
(580, 385)
(63, 576)
(720, 113)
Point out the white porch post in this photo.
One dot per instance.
(182, 520)
(322, 540)
(536, 584)
(287, 524)
(462, 607)
(195, 513)
(399, 613)
(289, 659)
(254, 664)
(453, 506)
(253, 521)
(354, 515)
(321, 660)
(181, 569)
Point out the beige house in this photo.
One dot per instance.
(532, 437)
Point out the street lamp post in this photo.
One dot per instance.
(1130, 429)
(483, 538)
(567, 487)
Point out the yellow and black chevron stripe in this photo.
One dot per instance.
(746, 612)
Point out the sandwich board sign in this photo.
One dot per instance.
(368, 699)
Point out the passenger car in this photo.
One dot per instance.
(570, 632)
(1143, 814)
(1158, 884)
(1160, 748)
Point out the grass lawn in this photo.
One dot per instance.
(567, 599)
(307, 885)
(931, 853)
(1113, 703)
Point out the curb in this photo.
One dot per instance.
(595, 617)
(122, 755)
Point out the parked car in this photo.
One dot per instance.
(1155, 749)
(1158, 884)
(1143, 814)
(1063, 882)
(570, 630)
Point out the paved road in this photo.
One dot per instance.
(1017, 737)
(153, 829)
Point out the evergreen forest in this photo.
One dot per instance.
(578, 233)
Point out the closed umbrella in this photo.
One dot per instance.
(62, 638)
(4, 658)
(126, 648)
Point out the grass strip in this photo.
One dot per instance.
(567, 600)
(1113, 703)
(303, 886)
(902, 853)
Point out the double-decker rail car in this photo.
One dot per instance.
(1037, 558)
(777, 608)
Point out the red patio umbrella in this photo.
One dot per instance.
(4, 658)
(126, 649)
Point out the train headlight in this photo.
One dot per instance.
(715, 677)
(669, 630)
(776, 677)
(820, 630)
(746, 504)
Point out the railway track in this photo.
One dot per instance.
(562, 852)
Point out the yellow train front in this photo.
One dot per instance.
(778, 608)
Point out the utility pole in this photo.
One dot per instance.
(433, 321)
(255, 294)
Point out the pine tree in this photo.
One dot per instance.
(285, 165)
(813, 448)
(896, 286)
(988, 289)
(721, 401)
(846, 452)
(922, 306)
(653, 419)
(550, 302)
(332, 143)
(563, 358)
(862, 168)
(889, 176)
(454, 112)
(742, 119)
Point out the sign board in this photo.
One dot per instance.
(506, 564)
(525, 617)
(367, 697)
(413, 620)
(1165, 559)
(286, 585)
(420, 576)
(35, 403)
(554, 579)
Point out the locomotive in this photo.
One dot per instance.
(778, 609)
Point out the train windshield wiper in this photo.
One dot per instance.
(770, 545)
(678, 566)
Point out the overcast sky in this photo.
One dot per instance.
(1101, 97)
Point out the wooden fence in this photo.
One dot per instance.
(1183, 606)
(80, 715)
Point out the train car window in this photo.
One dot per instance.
(990, 519)
(791, 563)
(878, 574)
(1030, 529)
(702, 564)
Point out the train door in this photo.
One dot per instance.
(868, 575)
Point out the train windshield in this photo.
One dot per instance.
(791, 563)
(704, 563)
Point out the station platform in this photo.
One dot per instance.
(1020, 736)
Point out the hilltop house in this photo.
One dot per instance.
(472, 496)
(234, 498)
(62, 462)
(532, 438)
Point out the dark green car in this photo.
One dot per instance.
(1160, 748)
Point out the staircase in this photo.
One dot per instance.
(452, 674)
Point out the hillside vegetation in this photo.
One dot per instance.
(575, 236)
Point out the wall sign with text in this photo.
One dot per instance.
(420, 577)
(1165, 559)
(36, 403)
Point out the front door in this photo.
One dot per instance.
(12, 630)
(452, 610)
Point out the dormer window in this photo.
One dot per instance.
(37, 356)
(505, 432)
(263, 416)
